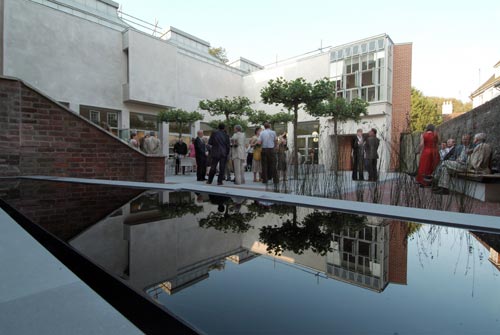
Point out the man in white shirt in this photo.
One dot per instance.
(238, 155)
(267, 140)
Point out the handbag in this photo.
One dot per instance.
(257, 154)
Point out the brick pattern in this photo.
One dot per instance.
(401, 97)
(66, 209)
(482, 119)
(39, 137)
(398, 252)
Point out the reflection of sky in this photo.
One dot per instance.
(447, 293)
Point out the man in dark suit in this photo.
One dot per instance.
(180, 151)
(358, 156)
(219, 150)
(371, 152)
(201, 156)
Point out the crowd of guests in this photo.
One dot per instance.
(438, 162)
(149, 143)
(224, 155)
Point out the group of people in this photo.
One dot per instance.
(223, 153)
(436, 166)
(149, 143)
(365, 155)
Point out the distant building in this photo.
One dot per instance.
(447, 108)
(488, 90)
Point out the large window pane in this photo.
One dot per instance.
(371, 93)
(143, 121)
(350, 81)
(367, 78)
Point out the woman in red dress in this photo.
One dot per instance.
(429, 157)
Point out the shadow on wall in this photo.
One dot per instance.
(41, 137)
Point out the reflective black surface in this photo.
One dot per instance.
(236, 266)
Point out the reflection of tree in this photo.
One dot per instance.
(180, 204)
(279, 209)
(315, 232)
(225, 221)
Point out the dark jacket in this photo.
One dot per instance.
(451, 155)
(200, 147)
(219, 144)
(180, 148)
(371, 147)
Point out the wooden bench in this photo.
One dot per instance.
(484, 187)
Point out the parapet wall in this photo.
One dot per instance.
(38, 136)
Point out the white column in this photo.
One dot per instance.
(163, 135)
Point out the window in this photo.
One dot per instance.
(113, 120)
(95, 116)
(143, 121)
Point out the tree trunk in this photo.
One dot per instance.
(335, 146)
(295, 156)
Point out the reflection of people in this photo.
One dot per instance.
(201, 156)
(219, 150)
(371, 152)
(429, 157)
(219, 200)
(267, 139)
(180, 150)
(238, 155)
(358, 154)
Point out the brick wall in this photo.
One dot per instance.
(401, 97)
(482, 119)
(40, 137)
(65, 209)
(398, 252)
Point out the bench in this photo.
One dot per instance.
(484, 187)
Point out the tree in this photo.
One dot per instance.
(219, 53)
(230, 124)
(180, 117)
(423, 111)
(293, 95)
(260, 117)
(232, 109)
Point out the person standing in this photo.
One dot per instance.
(358, 154)
(219, 150)
(152, 144)
(371, 152)
(429, 155)
(267, 139)
(238, 155)
(249, 151)
(282, 150)
(142, 143)
(257, 155)
(133, 141)
(201, 153)
(180, 150)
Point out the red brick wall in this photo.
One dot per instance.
(39, 137)
(398, 252)
(401, 97)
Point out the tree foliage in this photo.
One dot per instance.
(229, 123)
(219, 53)
(423, 111)
(180, 117)
(260, 117)
(235, 107)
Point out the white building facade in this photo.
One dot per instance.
(85, 55)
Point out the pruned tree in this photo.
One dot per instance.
(233, 109)
(293, 95)
(260, 117)
(180, 117)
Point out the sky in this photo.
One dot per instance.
(455, 43)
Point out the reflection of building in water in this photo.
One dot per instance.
(156, 238)
(371, 257)
(492, 243)
(155, 243)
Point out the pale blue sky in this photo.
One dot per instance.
(452, 40)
